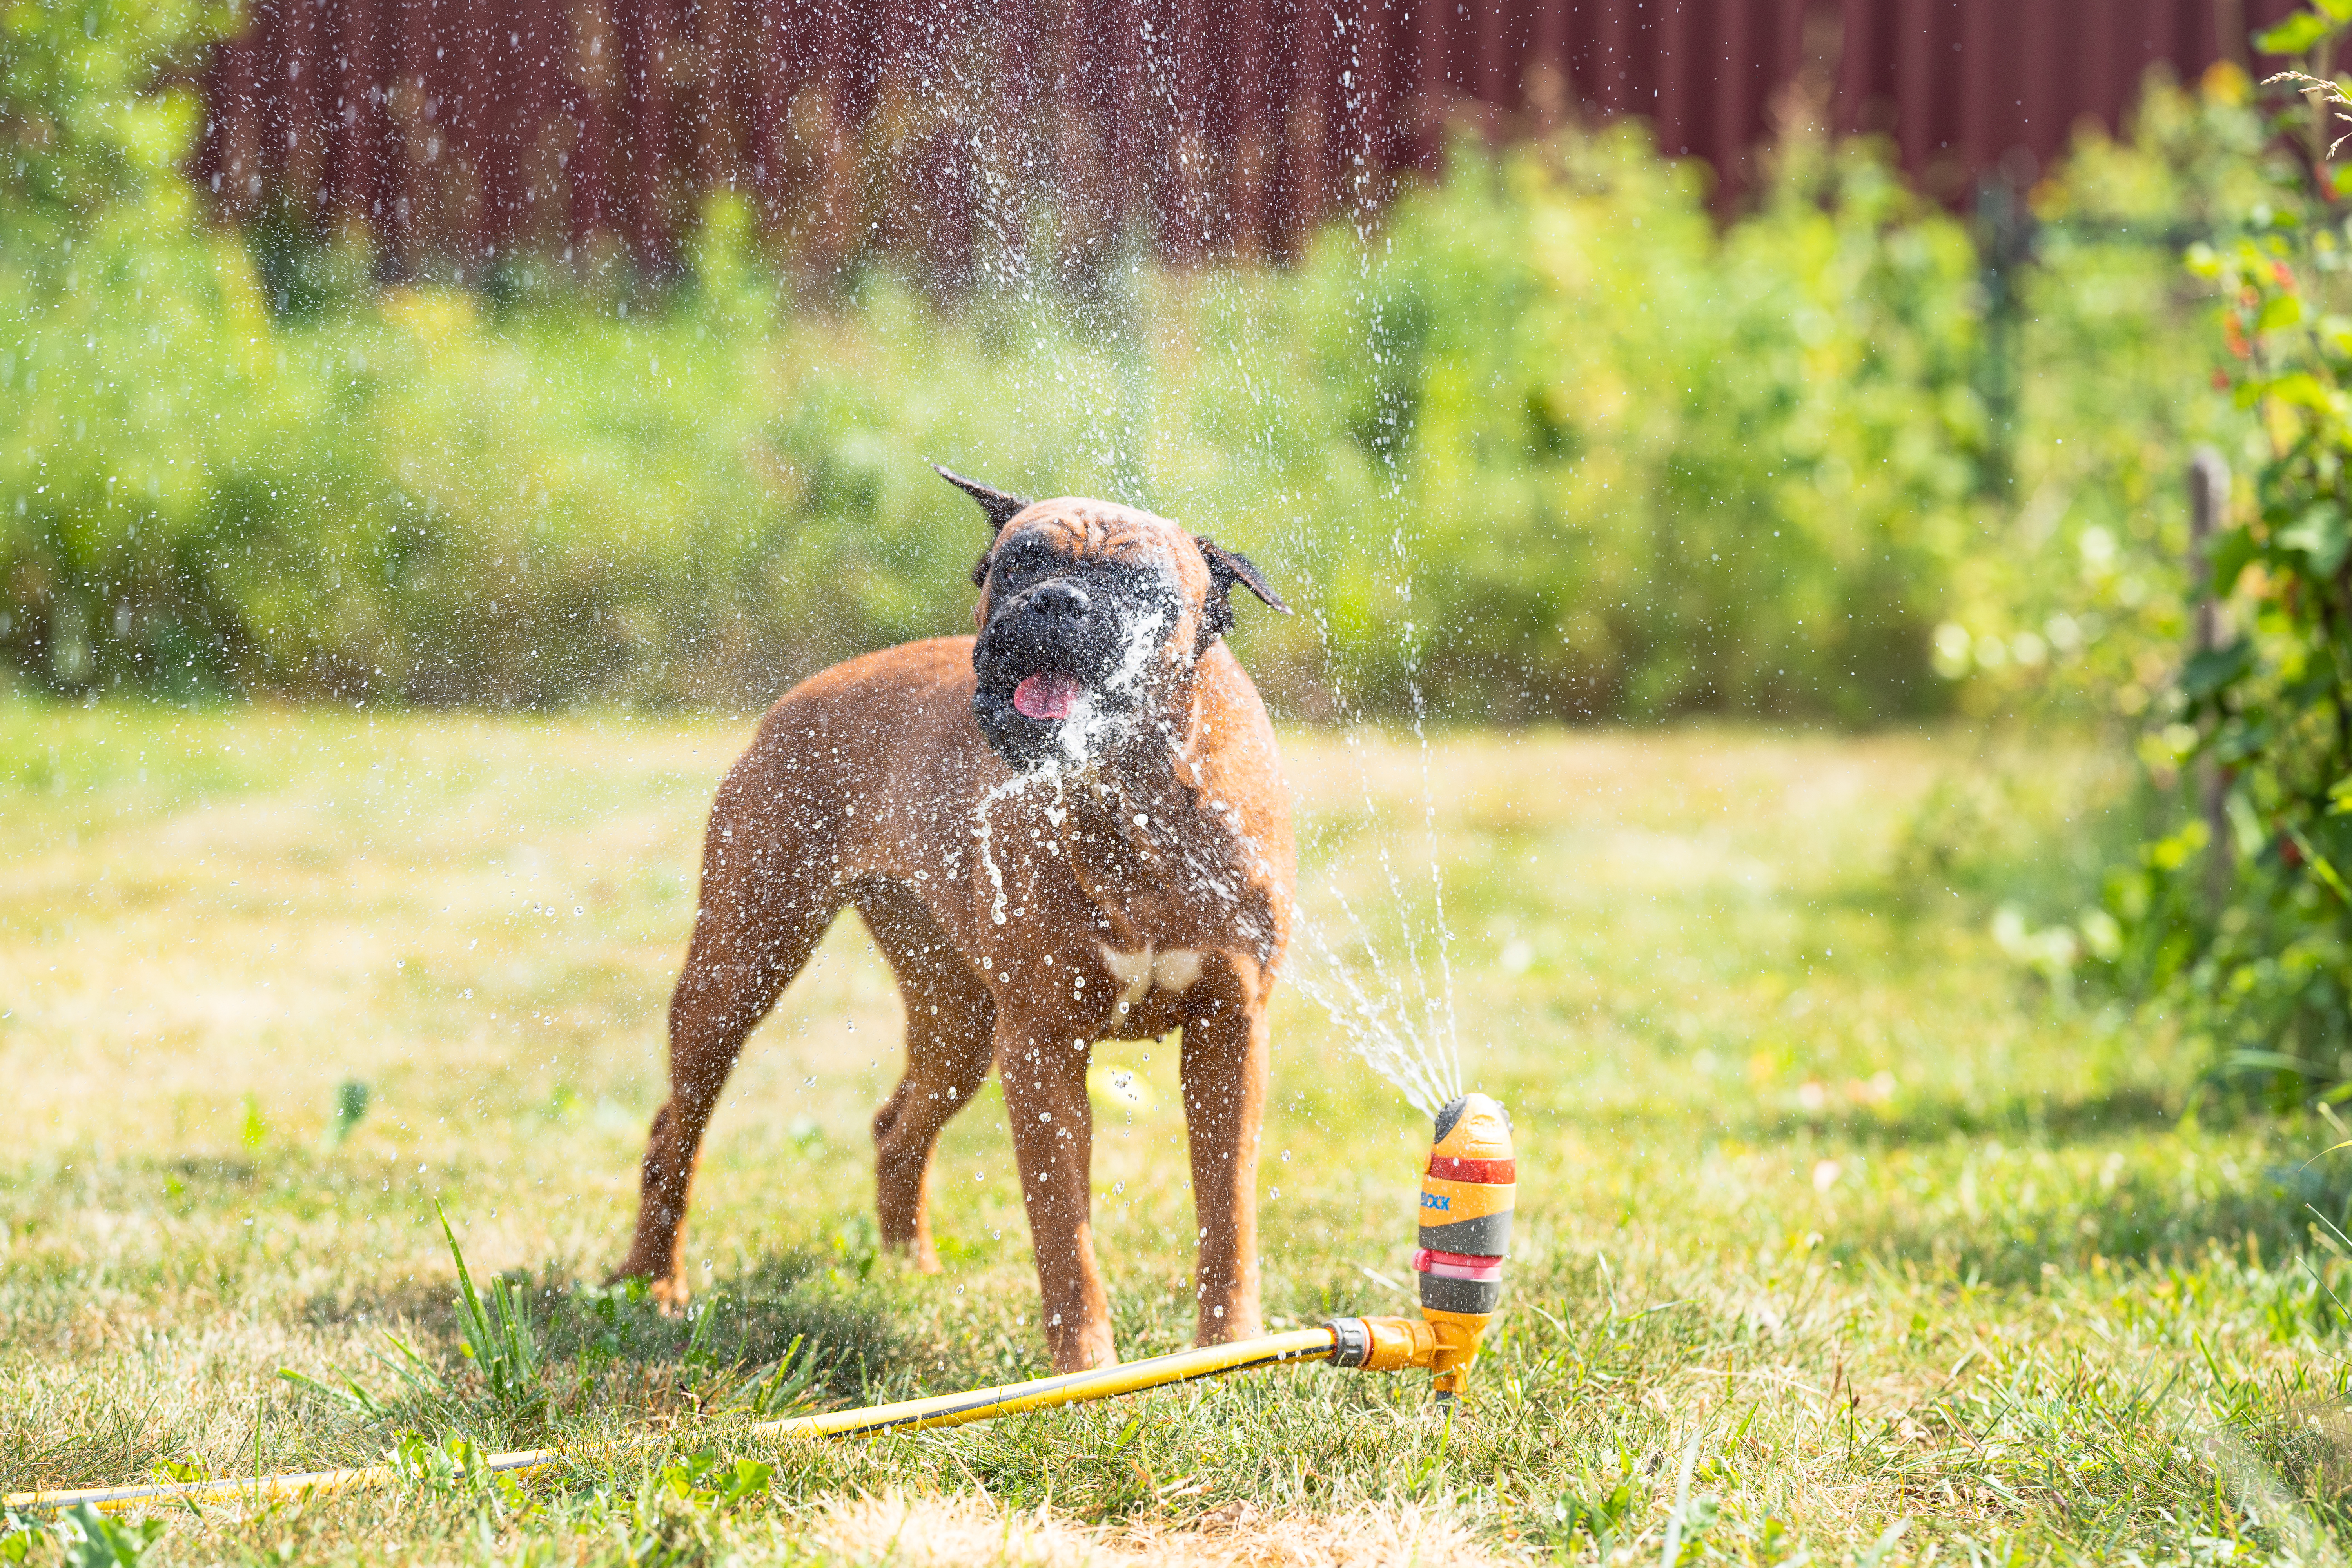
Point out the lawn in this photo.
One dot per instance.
(1844, 1230)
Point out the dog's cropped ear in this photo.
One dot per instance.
(1227, 567)
(1001, 506)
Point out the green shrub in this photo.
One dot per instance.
(1645, 465)
(1626, 464)
(83, 128)
(2249, 938)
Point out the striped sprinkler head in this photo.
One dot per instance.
(1467, 1189)
(1467, 1184)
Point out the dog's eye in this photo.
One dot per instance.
(1150, 591)
(1022, 560)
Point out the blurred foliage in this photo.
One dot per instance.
(2240, 914)
(84, 125)
(1555, 442)
(1651, 466)
(2071, 597)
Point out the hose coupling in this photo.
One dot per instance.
(1383, 1344)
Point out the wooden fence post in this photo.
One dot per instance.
(2209, 501)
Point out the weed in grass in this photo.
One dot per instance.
(81, 1537)
(424, 1397)
(499, 1338)
(351, 1096)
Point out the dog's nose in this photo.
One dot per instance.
(1056, 602)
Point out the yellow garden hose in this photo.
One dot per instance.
(1070, 1388)
(1301, 1345)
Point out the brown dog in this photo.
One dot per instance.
(1071, 828)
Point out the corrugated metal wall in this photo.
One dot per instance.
(970, 134)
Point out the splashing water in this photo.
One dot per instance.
(1389, 1012)
(1088, 724)
(1019, 782)
(1376, 1020)
(1384, 977)
(1393, 1012)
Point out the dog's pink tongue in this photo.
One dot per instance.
(1046, 695)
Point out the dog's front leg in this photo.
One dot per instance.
(1224, 1073)
(1044, 1066)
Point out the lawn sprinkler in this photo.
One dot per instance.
(1468, 1184)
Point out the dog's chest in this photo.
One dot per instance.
(1156, 889)
(1138, 972)
(1132, 893)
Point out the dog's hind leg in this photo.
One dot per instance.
(950, 1020)
(757, 925)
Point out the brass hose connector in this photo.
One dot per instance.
(1383, 1344)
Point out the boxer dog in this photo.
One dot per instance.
(1071, 828)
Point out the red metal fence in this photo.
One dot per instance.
(972, 133)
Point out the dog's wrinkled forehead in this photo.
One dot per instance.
(1078, 530)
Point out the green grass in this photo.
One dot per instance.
(1835, 1218)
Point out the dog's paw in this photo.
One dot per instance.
(1238, 1324)
(669, 1295)
(919, 1255)
(1086, 1350)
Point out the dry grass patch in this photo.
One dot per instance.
(973, 1529)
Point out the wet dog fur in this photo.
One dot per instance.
(1035, 884)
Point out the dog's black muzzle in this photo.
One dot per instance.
(1067, 626)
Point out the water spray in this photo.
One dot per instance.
(1468, 1184)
